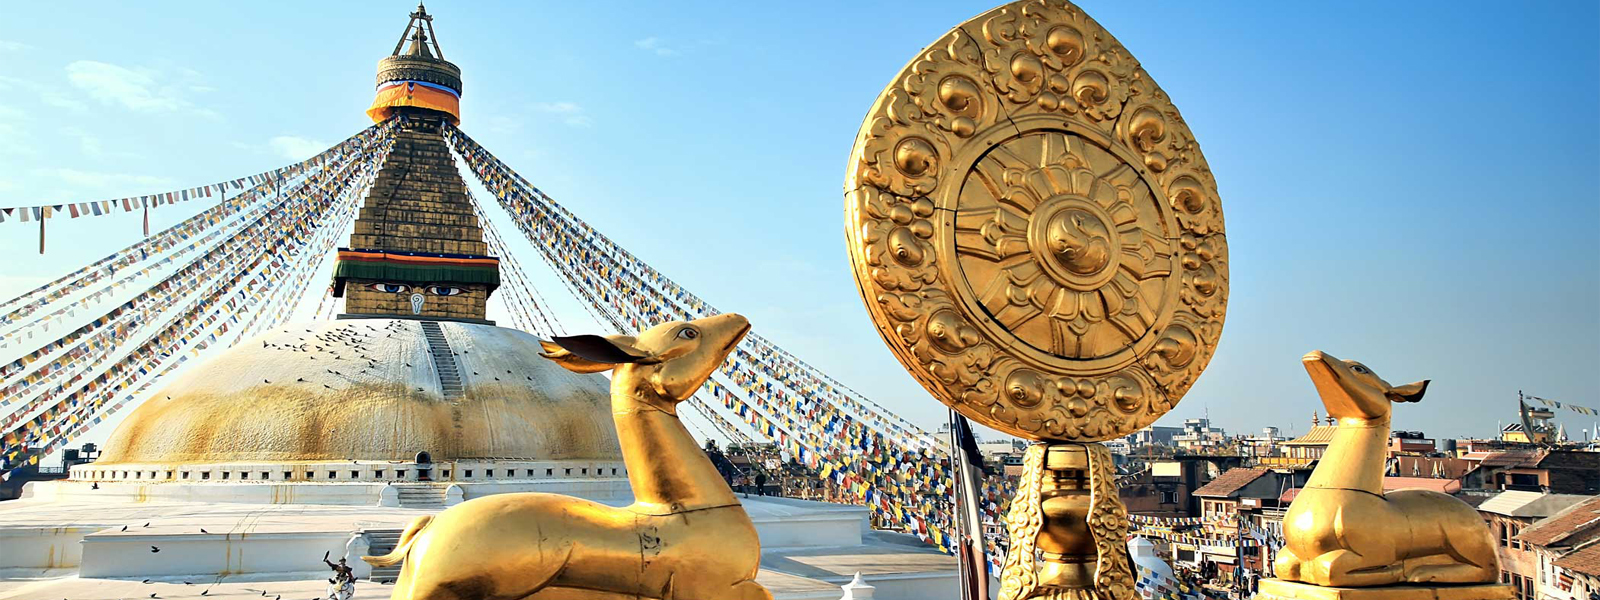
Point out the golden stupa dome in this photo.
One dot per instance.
(371, 390)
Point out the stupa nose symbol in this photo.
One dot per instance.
(416, 304)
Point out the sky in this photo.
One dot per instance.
(1413, 185)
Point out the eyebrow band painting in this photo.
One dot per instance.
(397, 367)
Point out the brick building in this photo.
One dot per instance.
(1567, 547)
(1508, 514)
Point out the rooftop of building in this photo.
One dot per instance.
(1585, 560)
(1320, 435)
(1572, 526)
(1229, 483)
(1514, 503)
(1431, 466)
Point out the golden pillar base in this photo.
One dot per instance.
(1278, 589)
(1068, 528)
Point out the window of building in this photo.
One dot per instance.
(1166, 497)
(488, 472)
(530, 472)
(333, 474)
(446, 474)
(469, 474)
(243, 475)
(207, 475)
(613, 470)
(311, 475)
(355, 474)
(224, 474)
(288, 475)
(265, 476)
(1505, 536)
(549, 472)
(378, 474)
(586, 470)
(185, 474)
(401, 474)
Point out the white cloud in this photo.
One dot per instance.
(570, 112)
(654, 44)
(296, 148)
(90, 144)
(8, 46)
(11, 138)
(50, 96)
(139, 90)
(502, 124)
(103, 181)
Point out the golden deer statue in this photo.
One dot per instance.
(684, 538)
(1343, 531)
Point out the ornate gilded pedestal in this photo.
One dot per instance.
(1039, 240)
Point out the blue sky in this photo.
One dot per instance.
(1415, 185)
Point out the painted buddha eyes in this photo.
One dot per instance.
(688, 333)
(401, 288)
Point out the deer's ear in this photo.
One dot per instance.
(592, 353)
(1411, 392)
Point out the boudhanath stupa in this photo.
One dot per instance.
(327, 438)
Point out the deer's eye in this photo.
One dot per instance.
(391, 288)
(688, 334)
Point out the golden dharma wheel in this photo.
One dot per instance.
(1034, 229)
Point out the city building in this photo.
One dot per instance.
(1539, 470)
(1567, 546)
(1242, 505)
(1410, 442)
(1154, 436)
(1262, 445)
(1199, 437)
(1508, 514)
(1309, 447)
(1165, 488)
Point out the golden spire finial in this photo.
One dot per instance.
(422, 23)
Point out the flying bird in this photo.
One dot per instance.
(154, 549)
(203, 530)
(124, 528)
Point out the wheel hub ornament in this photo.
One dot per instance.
(1034, 229)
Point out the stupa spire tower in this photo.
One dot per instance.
(417, 76)
(417, 250)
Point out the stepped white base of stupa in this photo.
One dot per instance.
(61, 543)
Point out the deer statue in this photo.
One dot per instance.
(1343, 531)
(685, 537)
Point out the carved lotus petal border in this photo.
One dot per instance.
(1032, 67)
